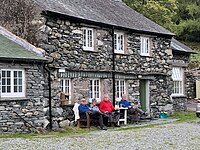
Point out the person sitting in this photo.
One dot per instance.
(107, 108)
(134, 111)
(83, 108)
(94, 106)
(124, 102)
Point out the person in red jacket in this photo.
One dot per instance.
(107, 107)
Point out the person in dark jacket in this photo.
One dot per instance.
(83, 108)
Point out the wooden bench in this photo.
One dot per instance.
(86, 120)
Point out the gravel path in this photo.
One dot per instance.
(182, 136)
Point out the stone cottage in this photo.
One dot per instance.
(104, 47)
(181, 75)
(22, 84)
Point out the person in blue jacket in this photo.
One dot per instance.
(124, 102)
(83, 108)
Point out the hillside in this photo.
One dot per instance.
(181, 17)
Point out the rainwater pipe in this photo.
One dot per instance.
(113, 63)
(49, 85)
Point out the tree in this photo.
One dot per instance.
(20, 17)
(160, 11)
(181, 17)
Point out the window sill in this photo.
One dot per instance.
(178, 95)
(92, 51)
(125, 54)
(146, 56)
(9, 99)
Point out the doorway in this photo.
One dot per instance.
(144, 95)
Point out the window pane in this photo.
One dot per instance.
(3, 89)
(15, 89)
(61, 84)
(20, 74)
(3, 73)
(15, 74)
(8, 89)
(15, 81)
(94, 89)
(20, 88)
(8, 82)
(118, 42)
(147, 45)
(8, 73)
(3, 82)
(122, 44)
(67, 86)
(20, 82)
(115, 41)
(90, 38)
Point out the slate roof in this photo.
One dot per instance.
(12, 47)
(110, 12)
(178, 46)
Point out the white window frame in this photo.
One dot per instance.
(120, 88)
(119, 45)
(12, 93)
(65, 83)
(178, 81)
(145, 47)
(95, 92)
(87, 39)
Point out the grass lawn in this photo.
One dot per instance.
(53, 134)
(184, 116)
(181, 116)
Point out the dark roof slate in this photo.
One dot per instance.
(109, 12)
(178, 46)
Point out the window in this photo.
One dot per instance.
(12, 83)
(177, 77)
(66, 87)
(88, 39)
(94, 90)
(119, 42)
(144, 46)
(120, 88)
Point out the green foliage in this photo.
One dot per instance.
(195, 58)
(181, 17)
(161, 12)
(189, 30)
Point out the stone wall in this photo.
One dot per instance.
(192, 76)
(160, 91)
(62, 40)
(29, 108)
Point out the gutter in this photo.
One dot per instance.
(23, 60)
